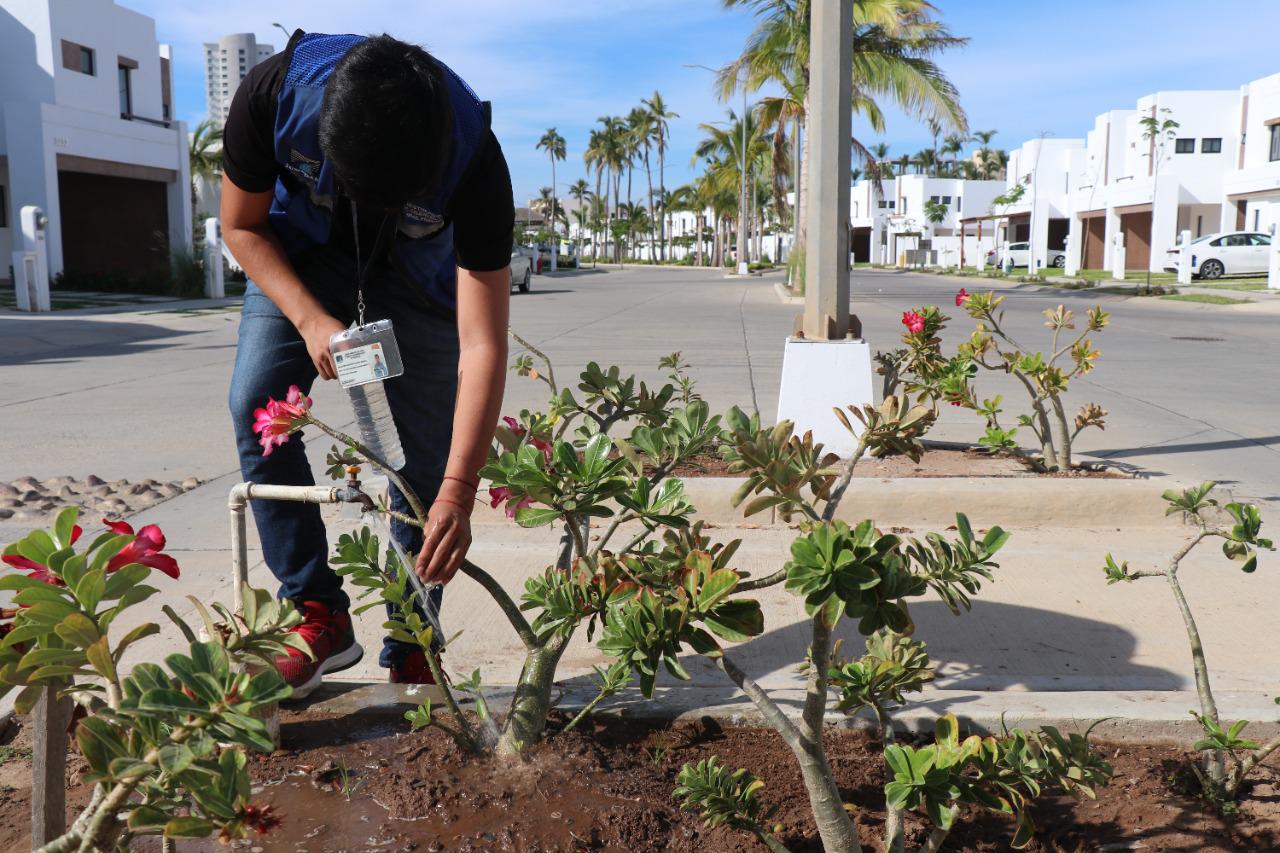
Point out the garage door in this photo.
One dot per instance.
(1136, 228)
(112, 224)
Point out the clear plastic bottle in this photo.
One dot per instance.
(373, 419)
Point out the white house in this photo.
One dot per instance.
(1251, 192)
(892, 220)
(87, 134)
(1135, 187)
(1042, 215)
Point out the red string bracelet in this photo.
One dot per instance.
(475, 487)
(465, 509)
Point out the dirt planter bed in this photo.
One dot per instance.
(348, 782)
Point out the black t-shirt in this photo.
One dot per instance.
(482, 209)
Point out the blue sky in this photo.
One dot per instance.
(1030, 66)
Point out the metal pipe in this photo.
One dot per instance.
(245, 492)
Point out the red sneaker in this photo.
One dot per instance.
(328, 632)
(413, 670)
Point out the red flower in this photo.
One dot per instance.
(261, 819)
(145, 549)
(39, 571)
(913, 320)
(280, 419)
(962, 296)
(498, 494)
(514, 425)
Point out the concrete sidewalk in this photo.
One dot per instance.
(1047, 640)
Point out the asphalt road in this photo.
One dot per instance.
(1190, 388)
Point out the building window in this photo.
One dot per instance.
(935, 199)
(4, 210)
(958, 198)
(126, 93)
(1275, 143)
(77, 57)
(1184, 146)
(1211, 145)
(946, 199)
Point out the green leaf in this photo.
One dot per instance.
(175, 757)
(78, 629)
(146, 629)
(99, 657)
(536, 516)
(64, 525)
(188, 827)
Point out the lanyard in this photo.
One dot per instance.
(385, 230)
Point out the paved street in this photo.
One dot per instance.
(141, 393)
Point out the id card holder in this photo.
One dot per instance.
(364, 354)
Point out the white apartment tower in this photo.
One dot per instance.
(226, 62)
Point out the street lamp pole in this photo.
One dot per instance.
(744, 259)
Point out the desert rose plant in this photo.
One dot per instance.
(165, 745)
(929, 375)
(1228, 757)
(561, 467)
(842, 572)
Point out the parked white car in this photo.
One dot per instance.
(1020, 255)
(521, 270)
(1226, 253)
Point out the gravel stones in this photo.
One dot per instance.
(28, 500)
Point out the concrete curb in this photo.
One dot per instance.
(934, 501)
(1120, 716)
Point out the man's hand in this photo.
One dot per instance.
(316, 331)
(446, 538)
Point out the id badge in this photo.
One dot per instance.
(364, 354)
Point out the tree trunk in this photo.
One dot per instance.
(802, 224)
(698, 236)
(662, 190)
(649, 177)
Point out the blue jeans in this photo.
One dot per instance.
(271, 356)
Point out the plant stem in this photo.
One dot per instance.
(834, 824)
(934, 842)
(415, 503)
(1208, 707)
(1064, 433)
(894, 838)
(509, 608)
(842, 484)
(591, 706)
(760, 583)
(1251, 761)
(551, 371)
(528, 715)
(769, 841)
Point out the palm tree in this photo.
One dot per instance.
(549, 206)
(594, 158)
(204, 151)
(553, 143)
(925, 161)
(580, 191)
(660, 115)
(641, 124)
(894, 45)
(723, 146)
(953, 145)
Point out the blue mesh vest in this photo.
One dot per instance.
(302, 216)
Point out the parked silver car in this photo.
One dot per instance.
(521, 270)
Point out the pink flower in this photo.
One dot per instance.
(498, 494)
(280, 419)
(519, 432)
(144, 549)
(962, 296)
(913, 320)
(39, 571)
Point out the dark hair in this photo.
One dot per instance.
(385, 121)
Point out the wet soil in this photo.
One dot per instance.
(945, 461)
(367, 784)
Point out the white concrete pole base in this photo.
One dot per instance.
(818, 376)
(1184, 257)
(1117, 262)
(1273, 267)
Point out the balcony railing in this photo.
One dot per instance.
(155, 122)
